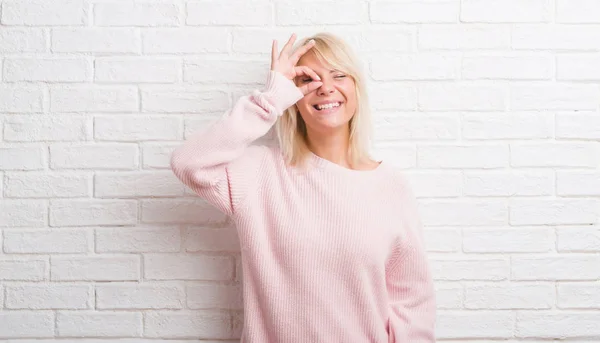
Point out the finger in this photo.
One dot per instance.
(289, 44)
(304, 70)
(302, 50)
(273, 54)
(310, 87)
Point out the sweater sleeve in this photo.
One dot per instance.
(216, 163)
(409, 282)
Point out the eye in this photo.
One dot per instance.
(340, 76)
(306, 80)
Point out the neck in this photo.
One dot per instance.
(331, 146)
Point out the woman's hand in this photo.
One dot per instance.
(285, 64)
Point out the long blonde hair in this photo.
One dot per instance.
(291, 128)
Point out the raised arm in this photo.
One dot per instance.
(216, 163)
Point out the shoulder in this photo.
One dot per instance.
(402, 184)
(399, 178)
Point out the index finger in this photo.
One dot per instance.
(273, 53)
(302, 50)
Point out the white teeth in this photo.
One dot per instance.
(331, 105)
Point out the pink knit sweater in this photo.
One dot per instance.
(329, 254)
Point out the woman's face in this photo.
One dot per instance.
(330, 106)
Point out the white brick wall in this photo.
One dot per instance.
(491, 107)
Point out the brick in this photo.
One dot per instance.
(476, 156)
(197, 325)
(465, 97)
(578, 295)
(180, 211)
(564, 325)
(137, 128)
(213, 71)
(553, 211)
(502, 183)
(392, 96)
(189, 267)
(98, 324)
(93, 156)
(578, 239)
(377, 39)
(465, 213)
(578, 125)
(128, 296)
(57, 241)
(138, 240)
(508, 67)
(463, 37)
(475, 324)
(48, 296)
(576, 267)
(507, 11)
(94, 99)
(509, 296)
(136, 14)
(577, 11)
(145, 184)
(555, 37)
(449, 295)
(398, 156)
(319, 13)
(208, 239)
(577, 183)
(214, 296)
(424, 126)
(93, 212)
(412, 11)
(27, 128)
(22, 40)
(138, 70)
(21, 99)
(23, 213)
(554, 155)
(22, 157)
(554, 97)
(236, 13)
(157, 156)
(95, 268)
(254, 40)
(493, 269)
(12, 269)
(26, 324)
(96, 40)
(422, 66)
(185, 40)
(442, 240)
(578, 67)
(47, 69)
(198, 124)
(507, 240)
(44, 13)
(183, 100)
(488, 126)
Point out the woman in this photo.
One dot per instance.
(331, 241)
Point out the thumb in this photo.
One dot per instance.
(310, 87)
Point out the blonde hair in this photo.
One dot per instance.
(291, 128)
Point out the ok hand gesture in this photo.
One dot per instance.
(285, 64)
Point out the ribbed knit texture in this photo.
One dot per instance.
(329, 254)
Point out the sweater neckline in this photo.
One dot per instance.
(326, 164)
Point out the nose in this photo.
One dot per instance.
(326, 88)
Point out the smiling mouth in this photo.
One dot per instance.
(329, 106)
